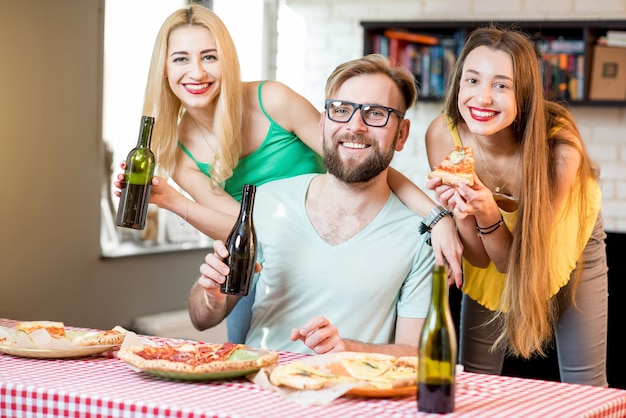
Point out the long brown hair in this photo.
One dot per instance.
(529, 313)
(167, 109)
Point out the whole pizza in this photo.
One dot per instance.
(196, 357)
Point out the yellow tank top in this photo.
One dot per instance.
(486, 285)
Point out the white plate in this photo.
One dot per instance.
(67, 350)
(55, 353)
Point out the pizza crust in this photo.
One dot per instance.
(452, 179)
(127, 355)
(114, 336)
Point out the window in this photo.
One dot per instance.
(130, 30)
(127, 52)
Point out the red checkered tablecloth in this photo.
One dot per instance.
(103, 386)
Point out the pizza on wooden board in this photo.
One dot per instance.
(58, 331)
(374, 370)
(457, 167)
(194, 358)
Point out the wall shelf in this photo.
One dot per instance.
(430, 48)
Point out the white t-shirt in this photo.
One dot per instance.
(360, 285)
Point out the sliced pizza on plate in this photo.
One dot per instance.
(113, 336)
(374, 374)
(54, 328)
(58, 331)
(52, 339)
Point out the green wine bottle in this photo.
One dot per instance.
(438, 351)
(241, 245)
(135, 193)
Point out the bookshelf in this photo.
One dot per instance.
(429, 49)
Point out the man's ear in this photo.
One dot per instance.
(403, 134)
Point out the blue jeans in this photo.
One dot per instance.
(238, 320)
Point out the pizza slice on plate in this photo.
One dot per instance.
(457, 167)
(113, 336)
(54, 328)
(31, 331)
(303, 376)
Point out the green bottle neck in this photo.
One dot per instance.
(247, 199)
(145, 132)
(439, 297)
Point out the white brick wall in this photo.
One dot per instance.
(315, 36)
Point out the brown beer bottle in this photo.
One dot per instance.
(241, 245)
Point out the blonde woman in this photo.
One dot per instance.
(534, 253)
(213, 133)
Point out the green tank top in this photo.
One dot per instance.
(282, 154)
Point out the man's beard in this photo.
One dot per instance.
(347, 171)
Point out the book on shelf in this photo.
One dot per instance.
(431, 59)
(570, 46)
(615, 42)
(563, 76)
(424, 69)
(436, 71)
(616, 34)
(615, 38)
(418, 38)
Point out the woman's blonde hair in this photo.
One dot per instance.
(539, 127)
(167, 109)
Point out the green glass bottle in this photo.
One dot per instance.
(241, 245)
(438, 351)
(135, 193)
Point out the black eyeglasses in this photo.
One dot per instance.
(372, 115)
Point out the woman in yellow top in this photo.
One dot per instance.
(534, 254)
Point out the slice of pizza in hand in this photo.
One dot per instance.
(457, 167)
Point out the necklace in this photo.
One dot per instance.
(494, 179)
(203, 136)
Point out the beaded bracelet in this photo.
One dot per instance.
(431, 220)
(491, 228)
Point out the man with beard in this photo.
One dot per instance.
(343, 264)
